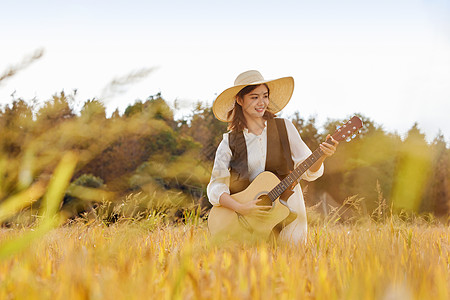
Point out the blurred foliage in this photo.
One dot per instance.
(82, 195)
(205, 129)
(145, 150)
(116, 152)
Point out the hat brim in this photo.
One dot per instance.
(280, 92)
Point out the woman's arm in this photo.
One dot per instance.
(220, 175)
(218, 188)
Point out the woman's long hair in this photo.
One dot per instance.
(238, 122)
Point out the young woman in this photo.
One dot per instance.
(257, 142)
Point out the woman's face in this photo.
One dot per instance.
(255, 103)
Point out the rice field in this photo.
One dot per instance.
(156, 259)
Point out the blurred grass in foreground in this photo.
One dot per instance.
(49, 216)
(160, 260)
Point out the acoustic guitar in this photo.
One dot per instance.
(226, 223)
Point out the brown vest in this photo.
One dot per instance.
(278, 158)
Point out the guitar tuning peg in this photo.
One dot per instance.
(348, 139)
(353, 136)
(338, 127)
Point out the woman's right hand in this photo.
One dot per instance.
(248, 208)
(252, 208)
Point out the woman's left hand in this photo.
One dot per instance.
(328, 149)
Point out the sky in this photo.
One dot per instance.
(387, 60)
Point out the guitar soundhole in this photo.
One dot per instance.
(264, 200)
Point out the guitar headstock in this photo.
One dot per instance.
(348, 130)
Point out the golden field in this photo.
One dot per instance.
(88, 206)
(156, 259)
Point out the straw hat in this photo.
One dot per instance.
(280, 92)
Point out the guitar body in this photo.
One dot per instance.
(226, 223)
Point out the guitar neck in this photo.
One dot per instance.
(296, 173)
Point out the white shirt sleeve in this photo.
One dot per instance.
(300, 151)
(220, 175)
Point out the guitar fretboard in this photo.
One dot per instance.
(294, 175)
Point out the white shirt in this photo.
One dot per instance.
(257, 150)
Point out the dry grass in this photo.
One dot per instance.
(143, 255)
(141, 260)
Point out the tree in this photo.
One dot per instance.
(16, 124)
(437, 200)
(308, 130)
(205, 129)
(93, 109)
(54, 112)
